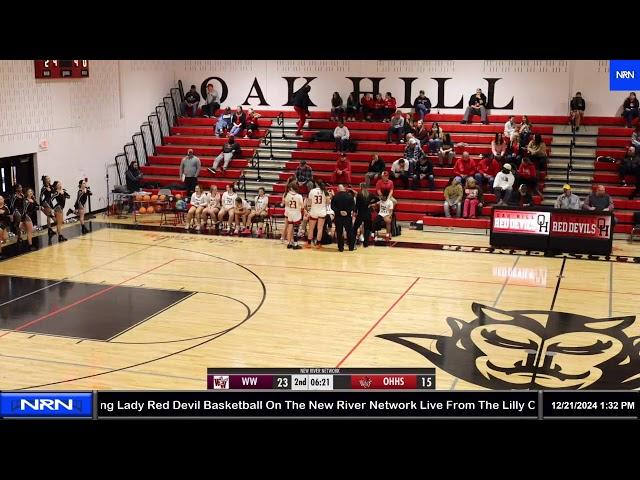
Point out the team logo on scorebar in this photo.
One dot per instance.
(221, 382)
(366, 382)
(533, 349)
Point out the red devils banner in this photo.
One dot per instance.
(583, 226)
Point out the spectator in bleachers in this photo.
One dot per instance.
(422, 105)
(133, 177)
(252, 124)
(368, 106)
(521, 197)
(538, 151)
(341, 136)
(635, 138)
(301, 103)
(598, 200)
(397, 127)
(423, 170)
(389, 106)
(435, 138)
(211, 105)
(510, 129)
(465, 167)
(238, 121)
(577, 107)
(453, 198)
(353, 107)
(378, 108)
(499, 148)
(229, 150)
(630, 108)
(503, 184)
(385, 184)
(374, 172)
(524, 130)
(224, 122)
(527, 174)
(477, 106)
(189, 170)
(472, 199)
(400, 170)
(409, 124)
(630, 165)
(412, 150)
(342, 171)
(337, 107)
(422, 132)
(513, 153)
(190, 102)
(304, 175)
(446, 152)
(488, 167)
(567, 199)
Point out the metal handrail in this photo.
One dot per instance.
(571, 147)
(268, 142)
(242, 184)
(255, 162)
(280, 122)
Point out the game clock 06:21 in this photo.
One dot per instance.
(61, 68)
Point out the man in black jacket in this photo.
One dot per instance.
(422, 105)
(577, 107)
(191, 101)
(342, 204)
(301, 102)
(477, 106)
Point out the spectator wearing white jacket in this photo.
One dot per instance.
(503, 184)
(341, 136)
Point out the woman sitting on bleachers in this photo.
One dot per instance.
(224, 122)
(409, 124)
(538, 151)
(453, 198)
(446, 154)
(528, 176)
(353, 107)
(378, 108)
(389, 106)
(238, 121)
(472, 199)
(499, 148)
(513, 152)
(337, 107)
(422, 133)
(252, 124)
(368, 106)
(435, 138)
(524, 130)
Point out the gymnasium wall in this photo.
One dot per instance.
(540, 87)
(85, 121)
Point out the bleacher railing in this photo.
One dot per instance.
(268, 142)
(280, 122)
(255, 162)
(572, 145)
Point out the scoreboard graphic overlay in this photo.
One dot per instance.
(326, 393)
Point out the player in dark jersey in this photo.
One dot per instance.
(45, 203)
(5, 224)
(81, 200)
(16, 205)
(30, 207)
(58, 199)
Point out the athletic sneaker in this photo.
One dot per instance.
(296, 247)
(290, 245)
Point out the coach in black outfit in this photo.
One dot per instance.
(342, 204)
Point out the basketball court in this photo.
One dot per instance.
(132, 307)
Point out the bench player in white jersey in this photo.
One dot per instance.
(198, 204)
(260, 210)
(213, 206)
(241, 214)
(228, 203)
(293, 208)
(317, 213)
(385, 213)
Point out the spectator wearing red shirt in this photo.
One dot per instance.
(488, 168)
(342, 172)
(368, 106)
(465, 167)
(378, 108)
(528, 176)
(385, 184)
(389, 106)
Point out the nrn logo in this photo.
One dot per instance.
(46, 404)
(624, 74)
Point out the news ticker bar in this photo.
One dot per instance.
(321, 404)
